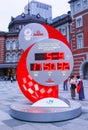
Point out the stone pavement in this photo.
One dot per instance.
(10, 93)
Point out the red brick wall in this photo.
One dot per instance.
(80, 54)
(2, 49)
(85, 22)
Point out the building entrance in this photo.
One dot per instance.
(84, 70)
(7, 73)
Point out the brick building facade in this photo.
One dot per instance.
(2, 47)
(10, 51)
(79, 36)
(9, 54)
(62, 23)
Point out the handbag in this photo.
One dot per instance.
(78, 88)
(73, 86)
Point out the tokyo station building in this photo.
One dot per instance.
(10, 51)
(73, 25)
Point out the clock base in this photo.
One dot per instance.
(32, 113)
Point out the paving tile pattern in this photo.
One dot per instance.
(10, 93)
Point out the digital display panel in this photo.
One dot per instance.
(50, 66)
(36, 67)
(63, 66)
(49, 56)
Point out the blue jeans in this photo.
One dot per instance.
(65, 86)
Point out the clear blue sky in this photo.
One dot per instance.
(13, 8)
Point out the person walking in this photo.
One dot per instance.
(65, 85)
(73, 87)
(11, 79)
(80, 88)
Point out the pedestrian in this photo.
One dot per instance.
(65, 85)
(73, 86)
(11, 79)
(80, 88)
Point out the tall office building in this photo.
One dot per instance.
(40, 9)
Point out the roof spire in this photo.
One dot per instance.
(28, 8)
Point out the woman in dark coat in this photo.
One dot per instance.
(80, 88)
(73, 86)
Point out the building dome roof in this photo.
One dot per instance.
(25, 19)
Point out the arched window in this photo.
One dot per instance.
(14, 44)
(7, 44)
(8, 57)
(14, 57)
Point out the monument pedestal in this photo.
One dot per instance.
(34, 113)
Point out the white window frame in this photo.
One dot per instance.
(85, 2)
(80, 22)
(14, 57)
(78, 6)
(80, 41)
(14, 44)
(63, 30)
(8, 45)
(8, 57)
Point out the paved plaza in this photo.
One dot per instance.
(10, 93)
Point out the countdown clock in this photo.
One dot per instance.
(47, 61)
